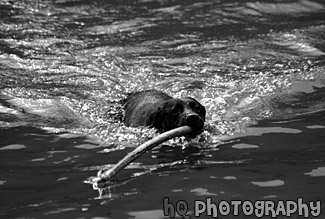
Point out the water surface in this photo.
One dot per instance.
(65, 67)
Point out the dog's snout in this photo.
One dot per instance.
(194, 121)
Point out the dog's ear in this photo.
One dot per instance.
(154, 120)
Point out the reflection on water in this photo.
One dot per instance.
(65, 67)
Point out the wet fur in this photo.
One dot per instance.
(157, 109)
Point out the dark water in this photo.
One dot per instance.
(257, 66)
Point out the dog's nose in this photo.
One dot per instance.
(194, 121)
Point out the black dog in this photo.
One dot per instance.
(157, 109)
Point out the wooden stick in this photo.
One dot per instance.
(105, 175)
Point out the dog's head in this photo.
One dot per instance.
(174, 113)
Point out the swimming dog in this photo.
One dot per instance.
(156, 109)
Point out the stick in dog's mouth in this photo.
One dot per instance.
(104, 175)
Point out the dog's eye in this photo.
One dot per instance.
(175, 111)
(194, 106)
(197, 109)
